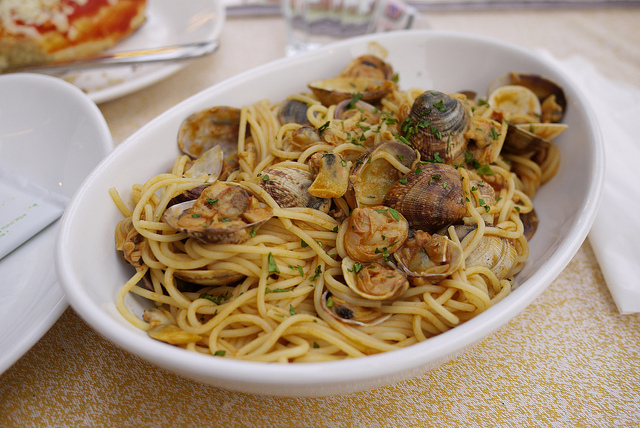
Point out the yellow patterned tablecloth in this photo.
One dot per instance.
(570, 359)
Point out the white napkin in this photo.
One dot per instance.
(615, 234)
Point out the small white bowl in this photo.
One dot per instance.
(92, 271)
(53, 135)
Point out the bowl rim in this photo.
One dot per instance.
(350, 374)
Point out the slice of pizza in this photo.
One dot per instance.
(38, 31)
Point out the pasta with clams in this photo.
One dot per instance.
(353, 219)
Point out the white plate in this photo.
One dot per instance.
(52, 135)
(92, 274)
(169, 22)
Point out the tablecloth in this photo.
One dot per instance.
(569, 359)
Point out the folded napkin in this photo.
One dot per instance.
(25, 209)
(615, 234)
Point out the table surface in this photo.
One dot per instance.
(569, 359)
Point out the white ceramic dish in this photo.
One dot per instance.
(52, 135)
(168, 23)
(92, 274)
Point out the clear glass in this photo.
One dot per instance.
(314, 23)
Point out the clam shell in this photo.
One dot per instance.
(210, 163)
(332, 175)
(206, 128)
(293, 111)
(373, 281)
(350, 313)
(234, 231)
(437, 123)
(431, 198)
(209, 276)
(436, 258)
(516, 103)
(541, 86)
(368, 66)
(496, 253)
(332, 91)
(289, 187)
(372, 175)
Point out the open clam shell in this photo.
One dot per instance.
(222, 214)
(289, 187)
(541, 86)
(351, 313)
(373, 174)
(370, 66)
(332, 91)
(373, 281)
(209, 276)
(210, 127)
(210, 163)
(516, 103)
(429, 258)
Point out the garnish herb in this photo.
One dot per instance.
(317, 274)
(484, 170)
(324, 126)
(394, 214)
(440, 105)
(272, 267)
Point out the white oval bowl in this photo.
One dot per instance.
(92, 271)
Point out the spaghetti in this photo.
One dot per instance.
(293, 289)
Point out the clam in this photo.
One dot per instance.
(210, 163)
(436, 125)
(188, 195)
(493, 252)
(332, 175)
(431, 197)
(373, 234)
(365, 111)
(332, 91)
(351, 313)
(530, 222)
(289, 187)
(305, 137)
(550, 94)
(533, 137)
(222, 214)
(486, 198)
(207, 128)
(373, 174)
(209, 276)
(163, 327)
(373, 281)
(429, 258)
(517, 104)
(293, 111)
(368, 66)
(130, 242)
(485, 133)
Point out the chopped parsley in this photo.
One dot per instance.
(272, 266)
